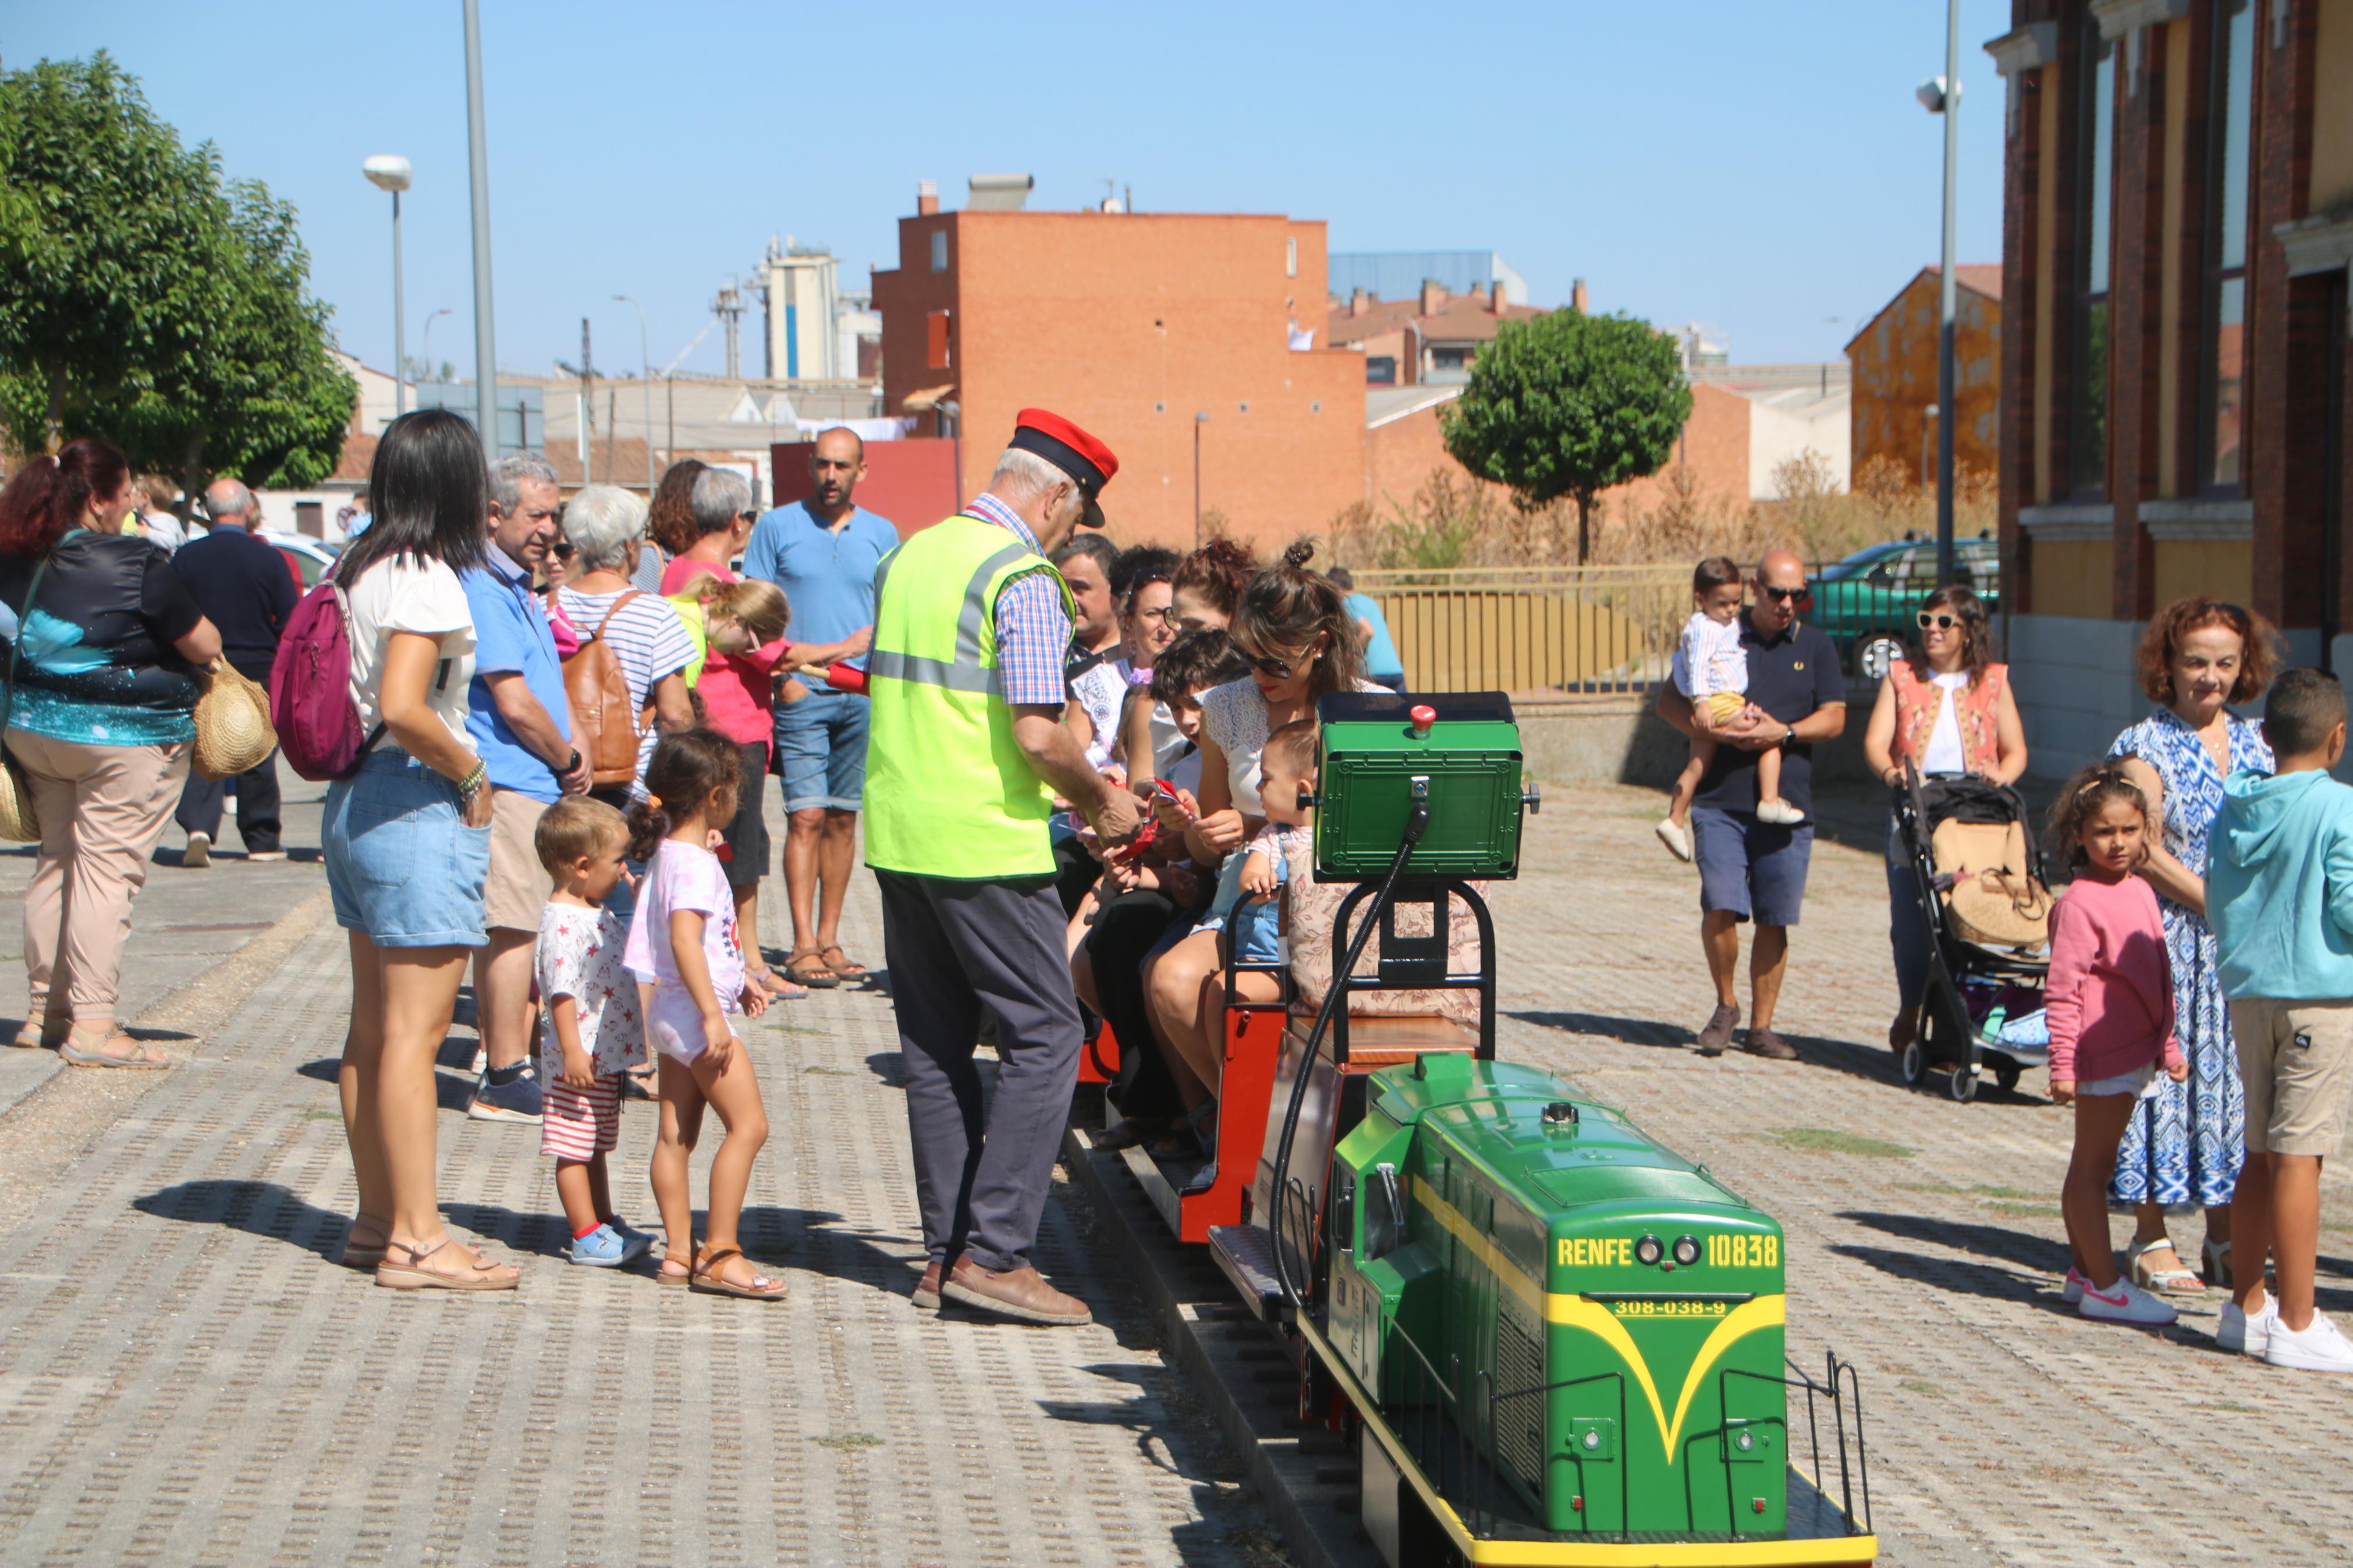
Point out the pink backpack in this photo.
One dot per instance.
(311, 689)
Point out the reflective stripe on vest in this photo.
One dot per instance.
(949, 793)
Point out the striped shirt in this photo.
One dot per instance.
(1033, 630)
(647, 638)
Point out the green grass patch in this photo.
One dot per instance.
(2028, 1211)
(845, 1442)
(793, 1028)
(829, 1072)
(1830, 1141)
(1921, 1385)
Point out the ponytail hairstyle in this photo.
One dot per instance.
(1286, 605)
(2081, 798)
(51, 496)
(758, 606)
(688, 773)
(1218, 572)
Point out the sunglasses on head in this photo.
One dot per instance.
(1941, 622)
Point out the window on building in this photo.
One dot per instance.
(2095, 186)
(935, 340)
(1291, 256)
(1443, 358)
(2222, 426)
(939, 250)
(1380, 370)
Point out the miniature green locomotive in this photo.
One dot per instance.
(1602, 1318)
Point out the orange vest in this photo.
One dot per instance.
(1975, 706)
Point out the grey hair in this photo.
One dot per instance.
(719, 497)
(238, 502)
(602, 521)
(1031, 474)
(508, 474)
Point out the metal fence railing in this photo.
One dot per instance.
(1581, 628)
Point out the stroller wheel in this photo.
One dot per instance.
(1914, 1062)
(1963, 1085)
(2006, 1075)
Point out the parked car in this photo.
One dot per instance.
(1867, 602)
(312, 559)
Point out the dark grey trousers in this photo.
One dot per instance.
(957, 950)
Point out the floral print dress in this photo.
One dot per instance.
(2184, 1143)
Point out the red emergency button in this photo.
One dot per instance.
(1424, 716)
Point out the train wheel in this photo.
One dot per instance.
(1914, 1061)
(1963, 1085)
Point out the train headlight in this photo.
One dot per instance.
(1647, 1252)
(1687, 1250)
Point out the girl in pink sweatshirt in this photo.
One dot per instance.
(2110, 996)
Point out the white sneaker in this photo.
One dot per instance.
(1779, 813)
(2071, 1292)
(2320, 1348)
(1677, 839)
(2248, 1336)
(2124, 1302)
(199, 853)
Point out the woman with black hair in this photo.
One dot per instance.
(408, 840)
(103, 647)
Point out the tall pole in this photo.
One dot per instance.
(486, 338)
(645, 390)
(1198, 420)
(399, 320)
(1948, 298)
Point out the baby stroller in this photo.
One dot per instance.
(1978, 873)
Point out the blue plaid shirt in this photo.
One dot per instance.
(1033, 630)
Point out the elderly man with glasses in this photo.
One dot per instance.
(1751, 870)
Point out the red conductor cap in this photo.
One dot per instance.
(1423, 716)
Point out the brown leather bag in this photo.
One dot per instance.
(606, 724)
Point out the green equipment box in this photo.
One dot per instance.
(1380, 752)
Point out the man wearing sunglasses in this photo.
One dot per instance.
(1752, 870)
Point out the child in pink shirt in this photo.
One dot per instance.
(2110, 1001)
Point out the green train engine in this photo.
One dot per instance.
(1555, 1341)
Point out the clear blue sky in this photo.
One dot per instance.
(1761, 169)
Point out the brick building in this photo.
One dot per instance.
(1429, 339)
(1135, 325)
(2178, 226)
(1895, 363)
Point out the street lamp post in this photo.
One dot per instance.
(477, 149)
(1942, 95)
(389, 172)
(436, 315)
(645, 390)
(1198, 420)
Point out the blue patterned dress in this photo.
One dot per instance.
(2183, 1146)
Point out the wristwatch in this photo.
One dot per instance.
(1787, 731)
(573, 765)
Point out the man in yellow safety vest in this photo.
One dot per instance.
(966, 750)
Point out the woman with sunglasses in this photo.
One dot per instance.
(2183, 1146)
(1294, 629)
(1148, 623)
(1945, 708)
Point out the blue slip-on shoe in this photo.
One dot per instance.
(634, 1242)
(601, 1248)
(517, 1099)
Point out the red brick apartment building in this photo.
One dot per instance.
(1135, 325)
(2177, 231)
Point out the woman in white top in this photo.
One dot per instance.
(406, 840)
(1945, 708)
(1294, 629)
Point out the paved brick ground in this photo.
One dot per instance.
(1924, 1237)
(183, 1378)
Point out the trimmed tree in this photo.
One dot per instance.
(1568, 405)
(143, 300)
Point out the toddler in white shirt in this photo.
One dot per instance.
(1711, 669)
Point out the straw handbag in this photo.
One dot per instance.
(19, 825)
(233, 733)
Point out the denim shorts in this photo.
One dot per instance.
(821, 751)
(402, 865)
(1750, 869)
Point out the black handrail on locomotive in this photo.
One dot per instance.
(1839, 1372)
(1625, 1507)
(1416, 822)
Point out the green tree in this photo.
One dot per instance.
(1570, 404)
(144, 301)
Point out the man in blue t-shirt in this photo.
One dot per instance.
(520, 722)
(822, 552)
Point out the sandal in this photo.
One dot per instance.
(814, 975)
(129, 1053)
(479, 1274)
(363, 1256)
(850, 969)
(2216, 1257)
(780, 990)
(2174, 1281)
(663, 1277)
(704, 1278)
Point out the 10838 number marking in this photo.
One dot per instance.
(1743, 1251)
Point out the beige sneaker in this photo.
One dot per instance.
(1779, 813)
(1676, 837)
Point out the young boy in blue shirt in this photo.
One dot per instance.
(2279, 894)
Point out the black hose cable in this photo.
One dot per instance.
(1417, 821)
